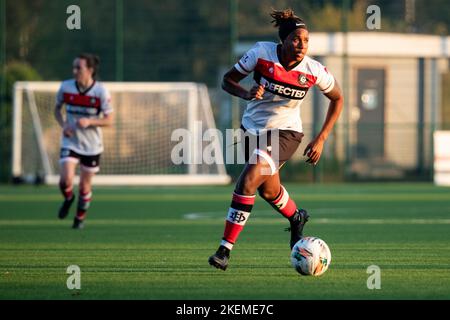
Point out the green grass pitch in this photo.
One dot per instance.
(153, 243)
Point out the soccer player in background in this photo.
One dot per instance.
(88, 107)
(283, 74)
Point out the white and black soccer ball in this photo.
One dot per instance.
(311, 256)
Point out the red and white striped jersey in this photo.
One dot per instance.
(284, 90)
(91, 103)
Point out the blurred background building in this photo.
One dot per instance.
(395, 79)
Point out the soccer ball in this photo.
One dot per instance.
(311, 256)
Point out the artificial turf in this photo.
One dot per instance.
(154, 243)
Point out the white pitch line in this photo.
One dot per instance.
(216, 215)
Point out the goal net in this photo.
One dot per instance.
(138, 147)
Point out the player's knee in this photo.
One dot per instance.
(65, 183)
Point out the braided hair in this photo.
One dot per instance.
(286, 21)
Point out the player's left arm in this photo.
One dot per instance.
(314, 149)
(107, 119)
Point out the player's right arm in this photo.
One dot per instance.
(241, 70)
(68, 131)
(231, 85)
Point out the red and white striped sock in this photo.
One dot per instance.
(284, 204)
(84, 202)
(67, 191)
(238, 214)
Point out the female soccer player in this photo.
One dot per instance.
(88, 108)
(283, 73)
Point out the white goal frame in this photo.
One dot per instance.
(441, 165)
(197, 93)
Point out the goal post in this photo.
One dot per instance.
(137, 148)
(441, 165)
